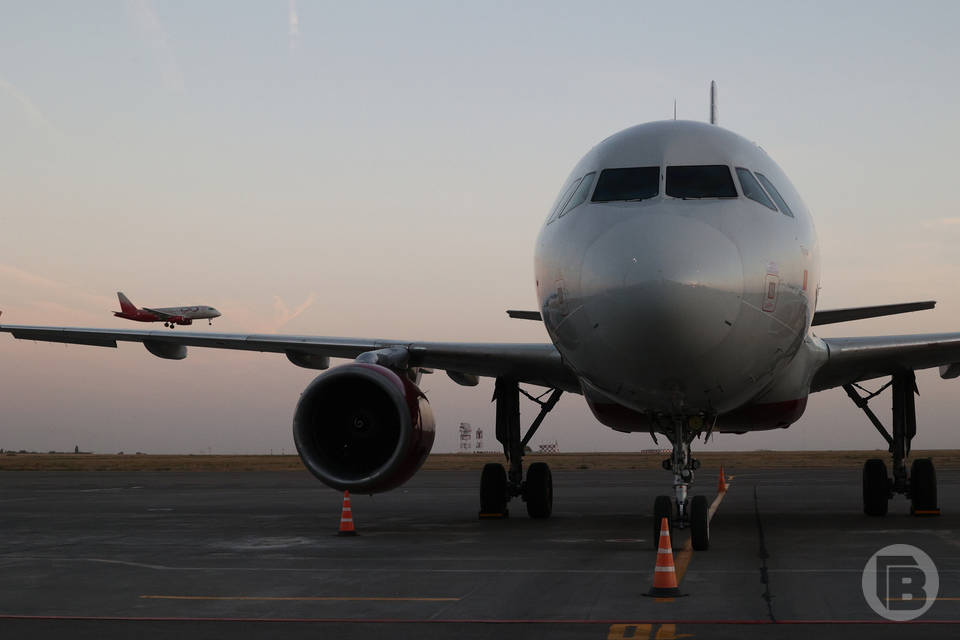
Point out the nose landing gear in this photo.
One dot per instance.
(682, 511)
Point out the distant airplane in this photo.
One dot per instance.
(170, 316)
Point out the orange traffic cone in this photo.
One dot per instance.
(346, 517)
(722, 484)
(664, 575)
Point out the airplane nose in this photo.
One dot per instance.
(663, 290)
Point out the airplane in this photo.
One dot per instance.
(677, 277)
(171, 316)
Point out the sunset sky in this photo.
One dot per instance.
(382, 170)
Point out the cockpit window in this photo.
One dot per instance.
(564, 197)
(700, 181)
(580, 195)
(772, 190)
(633, 183)
(752, 189)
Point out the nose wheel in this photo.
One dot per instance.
(681, 511)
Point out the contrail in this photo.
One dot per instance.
(149, 23)
(34, 115)
(294, 21)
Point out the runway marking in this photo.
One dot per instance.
(481, 621)
(380, 571)
(686, 552)
(303, 598)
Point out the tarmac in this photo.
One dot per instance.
(255, 555)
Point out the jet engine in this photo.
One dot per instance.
(363, 427)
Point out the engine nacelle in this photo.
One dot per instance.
(362, 427)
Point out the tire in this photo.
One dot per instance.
(493, 488)
(538, 490)
(700, 523)
(923, 485)
(876, 487)
(662, 508)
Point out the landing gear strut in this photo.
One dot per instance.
(497, 486)
(681, 511)
(920, 485)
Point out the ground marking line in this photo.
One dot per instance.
(303, 598)
(472, 621)
(686, 553)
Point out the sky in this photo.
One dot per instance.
(382, 170)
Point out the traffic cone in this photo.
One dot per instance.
(664, 575)
(722, 484)
(346, 517)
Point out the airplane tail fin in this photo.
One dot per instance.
(125, 305)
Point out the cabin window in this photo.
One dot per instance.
(563, 198)
(772, 190)
(630, 184)
(580, 195)
(700, 181)
(752, 189)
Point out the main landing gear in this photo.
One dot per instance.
(681, 510)
(497, 486)
(920, 485)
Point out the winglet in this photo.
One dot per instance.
(125, 305)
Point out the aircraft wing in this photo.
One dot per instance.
(163, 315)
(855, 359)
(538, 364)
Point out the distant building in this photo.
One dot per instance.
(466, 437)
(549, 447)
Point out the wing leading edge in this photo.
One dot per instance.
(856, 359)
(538, 364)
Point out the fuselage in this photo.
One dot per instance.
(178, 315)
(669, 291)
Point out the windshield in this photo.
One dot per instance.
(752, 189)
(772, 190)
(632, 183)
(700, 181)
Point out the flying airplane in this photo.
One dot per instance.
(677, 277)
(170, 316)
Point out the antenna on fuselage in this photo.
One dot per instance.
(714, 114)
(674, 108)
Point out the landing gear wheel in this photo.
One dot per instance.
(700, 523)
(538, 490)
(493, 489)
(876, 487)
(662, 508)
(923, 486)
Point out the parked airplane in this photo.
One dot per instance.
(677, 276)
(170, 316)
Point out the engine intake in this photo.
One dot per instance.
(362, 427)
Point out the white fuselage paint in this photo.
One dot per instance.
(663, 307)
